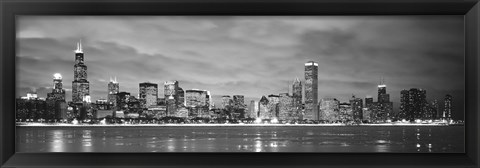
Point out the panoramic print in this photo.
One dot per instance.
(340, 84)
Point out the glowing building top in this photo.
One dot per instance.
(113, 80)
(57, 76)
(382, 83)
(311, 63)
(79, 47)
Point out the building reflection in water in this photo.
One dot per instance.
(171, 144)
(258, 146)
(58, 141)
(87, 144)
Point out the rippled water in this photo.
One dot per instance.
(241, 139)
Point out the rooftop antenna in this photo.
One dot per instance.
(79, 47)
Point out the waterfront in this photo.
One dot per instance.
(396, 139)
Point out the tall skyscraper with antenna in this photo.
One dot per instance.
(80, 84)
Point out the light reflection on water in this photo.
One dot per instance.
(241, 139)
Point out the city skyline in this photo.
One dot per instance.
(328, 85)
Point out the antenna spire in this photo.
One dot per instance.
(79, 47)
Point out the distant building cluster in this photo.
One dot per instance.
(177, 104)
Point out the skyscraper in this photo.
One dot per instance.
(329, 110)
(113, 88)
(172, 88)
(181, 97)
(253, 109)
(447, 110)
(382, 93)
(368, 102)
(434, 108)
(239, 107)
(383, 107)
(311, 91)
(273, 101)
(297, 93)
(197, 101)
(196, 98)
(225, 101)
(58, 93)
(263, 111)
(412, 104)
(286, 109)
(80, 84)
(418, 98)
(122, 99)
(357, 108)
(148, 94)
(56, 99)
(171, 106)
(238, 101)
(404, 100)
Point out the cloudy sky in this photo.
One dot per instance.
(248, 55)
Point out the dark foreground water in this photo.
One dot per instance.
(410, 139)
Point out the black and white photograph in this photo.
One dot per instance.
(308, 84)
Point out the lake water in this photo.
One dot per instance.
(409, 139)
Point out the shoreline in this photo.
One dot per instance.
(235, 125)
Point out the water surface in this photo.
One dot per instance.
(409, 139)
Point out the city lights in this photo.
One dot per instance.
(195, 106)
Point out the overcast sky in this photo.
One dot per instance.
(247, 55)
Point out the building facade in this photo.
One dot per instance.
(225, 101)
(346, 113)
(329, 110)
(273, 101)
(263, 110)
(252, 109)
(148, 94)
(197, 102)
(56, 104)
(286, 108)
(447, 110)
(412, 104)
(239, 101)
(311, 91)
(435, 110)
(297, 93)
(173, 89)
(113, 88)
(357, 108)
(122, 101)
(383, 108)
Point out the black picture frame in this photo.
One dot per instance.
(11, 8)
